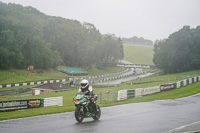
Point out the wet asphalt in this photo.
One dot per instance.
(163, 116)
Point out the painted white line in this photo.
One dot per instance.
(184, 126)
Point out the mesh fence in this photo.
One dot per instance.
(108, 96)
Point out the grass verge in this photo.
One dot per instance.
(69, 105)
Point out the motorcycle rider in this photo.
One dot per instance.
(87, 89)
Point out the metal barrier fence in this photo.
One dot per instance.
(108, 96)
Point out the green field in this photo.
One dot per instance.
(18, 76)
(68, 95)
(138, 54)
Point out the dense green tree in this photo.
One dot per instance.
(180, 52)
(136, 40)
(29, 37)
(10, 54)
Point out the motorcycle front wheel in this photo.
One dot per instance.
(98, 113)
(79, 115)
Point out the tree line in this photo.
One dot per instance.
(136, 40)
(29, 37)
(180, 52)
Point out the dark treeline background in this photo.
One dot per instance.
(136, 40)
(180, 52)
(29, 37)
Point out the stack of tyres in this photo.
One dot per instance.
(131, 93)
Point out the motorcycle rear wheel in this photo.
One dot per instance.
(79, 115)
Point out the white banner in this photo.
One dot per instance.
(195, 79)
(138, 92)
(16, 84)
(178, 84)
(32, 83)
(24, 84)
(184, 82)
(190, 80)
(122, 95)
(63, 80)
(8, 85)
(53, 101)
(151, 90)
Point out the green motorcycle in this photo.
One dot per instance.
(85, 108)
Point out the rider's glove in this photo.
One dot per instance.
(91, 98)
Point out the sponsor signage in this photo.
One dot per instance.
(13, 105)
(20, 104)
(166, 87)
(150, 90)
(34, 103)
(138, 92)
(107, 91)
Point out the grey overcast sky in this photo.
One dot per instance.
(150, 19)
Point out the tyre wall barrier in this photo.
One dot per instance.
(101, 78)
(185, 82)
(167, 87)
(76, 80)
(150, 90)
(32, 83)
(125, 94)
(122, 95)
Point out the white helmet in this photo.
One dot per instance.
(84, 83)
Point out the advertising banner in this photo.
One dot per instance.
(131, 93)
(53, 101)
(122, 95)
(166, 87)
(35, 103)
(20, 104)
(13, 105)
(138, 92)
(107, 91)
(150, 90)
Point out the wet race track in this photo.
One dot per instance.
(152, 117)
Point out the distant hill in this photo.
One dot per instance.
(136, 40)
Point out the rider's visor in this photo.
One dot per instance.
(83, 84)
